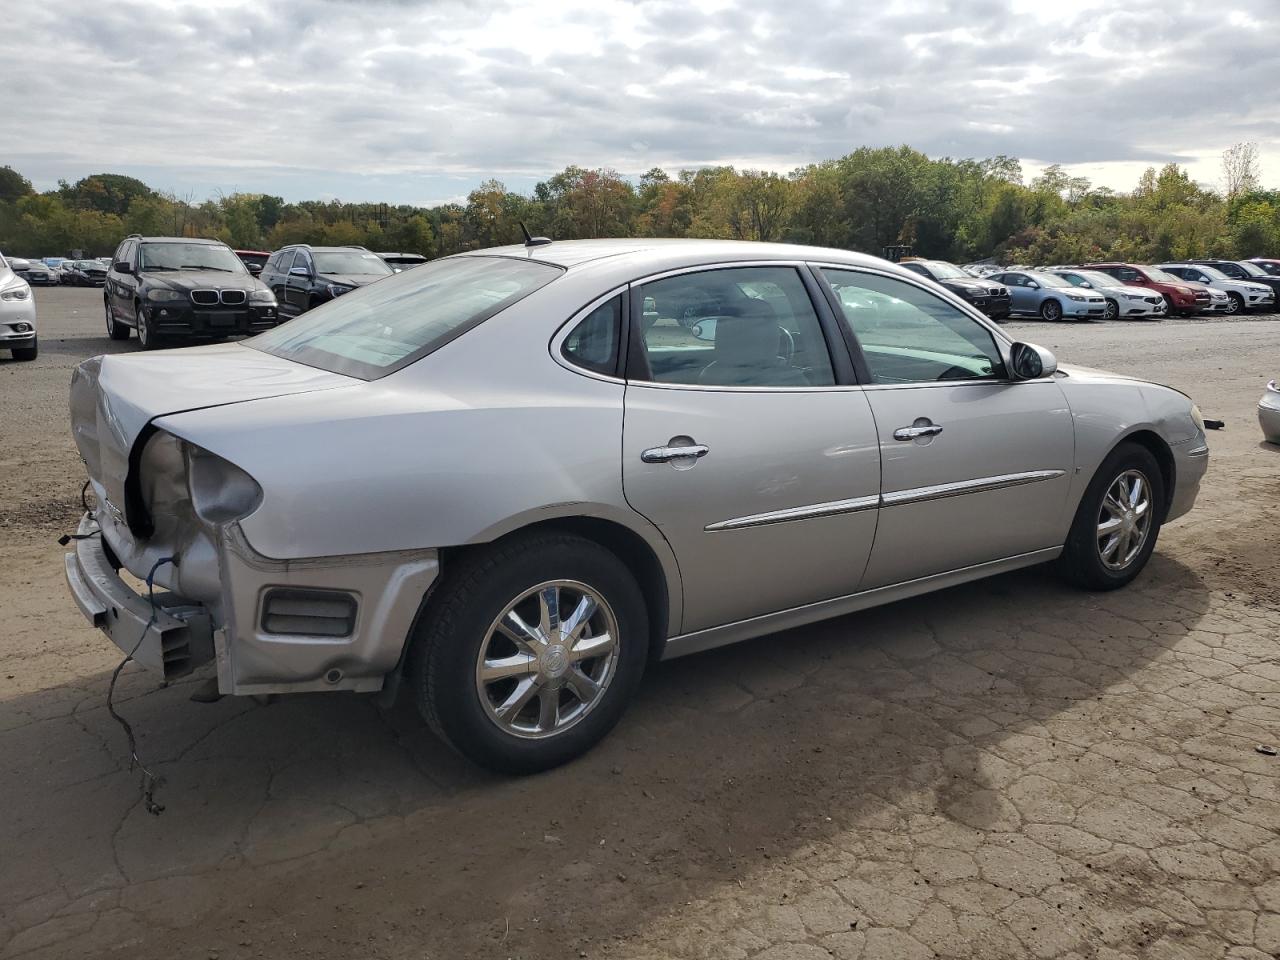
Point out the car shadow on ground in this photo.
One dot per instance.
(729, 759)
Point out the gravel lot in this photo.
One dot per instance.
(1008, 769)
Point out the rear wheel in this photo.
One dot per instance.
(1117, 522)
(1051, 310)
(27, 353)
(115, 329)
(531, 652)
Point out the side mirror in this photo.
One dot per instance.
(1086, 284)
(299, 272)
(1032, 285)
(254, 268)
(1029, 362)
(122, 266)
(705, 329)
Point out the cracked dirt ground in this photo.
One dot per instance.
(1006, 769)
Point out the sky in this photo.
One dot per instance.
(418, 101)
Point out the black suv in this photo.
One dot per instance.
(988, 296)
(303, 276)
(170, 287)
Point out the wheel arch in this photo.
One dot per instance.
(1159, 449)
(653, 565)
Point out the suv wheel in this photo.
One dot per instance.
(146, 337)
(531, 652)
(27, 353)
(1236, 304)
(115, 329)
(1117, 522)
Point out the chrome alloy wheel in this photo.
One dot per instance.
(547, 659)
(1124, 521)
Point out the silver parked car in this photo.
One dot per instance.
(515, 476)
(1121, 300)
(1269, 413)
(1241, 295)
(1034, 293)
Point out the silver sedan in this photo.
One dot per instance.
(510, 479)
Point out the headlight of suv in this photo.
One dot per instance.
(337, 289)
(163, 295)
(262, 296)
(19, 291)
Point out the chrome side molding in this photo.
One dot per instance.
(896, 499)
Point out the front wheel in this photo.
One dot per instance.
(1235, 303)
(146, 337)
(531, 652)
(1113, 310)
(1051, 310)
(27, 353)
(1117, 522)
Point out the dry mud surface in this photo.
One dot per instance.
(1006, 769)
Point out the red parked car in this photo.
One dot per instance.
(1182, 296)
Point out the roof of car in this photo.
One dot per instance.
(212, 243)
(571, 253)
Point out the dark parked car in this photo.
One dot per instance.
(989, 296)
(399, 262)
(1267, 264)
(255, 260)
(1249, 271)
(1182, 297)
(302, 276)
(86, 273)
(178, 287)
(40, 274)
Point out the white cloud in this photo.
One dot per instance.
(401, 100)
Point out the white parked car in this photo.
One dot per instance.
(1269, 413)
(1241, 295)
(514, 477)
(17, 314)
(1122, 300)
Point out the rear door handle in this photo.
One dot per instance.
(917, 430)
(667, 454)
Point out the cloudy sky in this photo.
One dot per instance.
(416, 101)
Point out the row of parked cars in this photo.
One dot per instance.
(1112, 290)
(169, 288)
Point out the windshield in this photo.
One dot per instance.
(1252, 269)
(380, 328)
(1097, 279)
(350, 261)
(189, 256)
(945, 271)
(1161, 277)
(1213, 273)
(1050, 280)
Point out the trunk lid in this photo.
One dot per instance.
(114, 397)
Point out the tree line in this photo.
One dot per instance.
(958, 210)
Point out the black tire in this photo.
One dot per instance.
(146, 336)
(1082, 561)
(1113, 310)
(27, 353)
(115, 329)
(1051, 310)
(1237, 304)
(448, 645)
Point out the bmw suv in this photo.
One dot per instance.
(170, 288)
(990, 297)
(302, 276)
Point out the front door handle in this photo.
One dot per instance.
(917, 430)
(668, 453)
